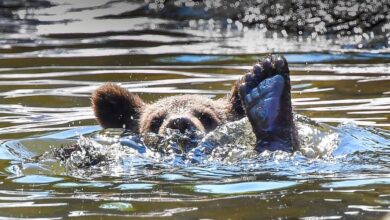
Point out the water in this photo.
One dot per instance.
(52, 57)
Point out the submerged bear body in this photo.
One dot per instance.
(263, 95)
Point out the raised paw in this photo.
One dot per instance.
(266, 98)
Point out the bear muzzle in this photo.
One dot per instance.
(183, 124)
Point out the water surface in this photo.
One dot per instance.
(53, 57)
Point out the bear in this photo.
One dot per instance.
(263, 95)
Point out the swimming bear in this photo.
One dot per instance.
(263, 95)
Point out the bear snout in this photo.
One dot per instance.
(183, 124)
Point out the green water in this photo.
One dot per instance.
(49, 68)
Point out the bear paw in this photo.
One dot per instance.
(265, 96)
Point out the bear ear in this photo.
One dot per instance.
(115, 107)
(235, 106)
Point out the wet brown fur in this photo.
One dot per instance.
(115, 107)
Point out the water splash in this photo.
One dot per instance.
(323, 148)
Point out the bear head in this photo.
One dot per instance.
(116, 107)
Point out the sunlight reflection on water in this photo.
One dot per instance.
(52, 58)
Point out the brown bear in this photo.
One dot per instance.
(263, 95)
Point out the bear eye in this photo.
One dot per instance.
(208, 121)
(156, 123)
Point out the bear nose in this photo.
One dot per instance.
(181, 123)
